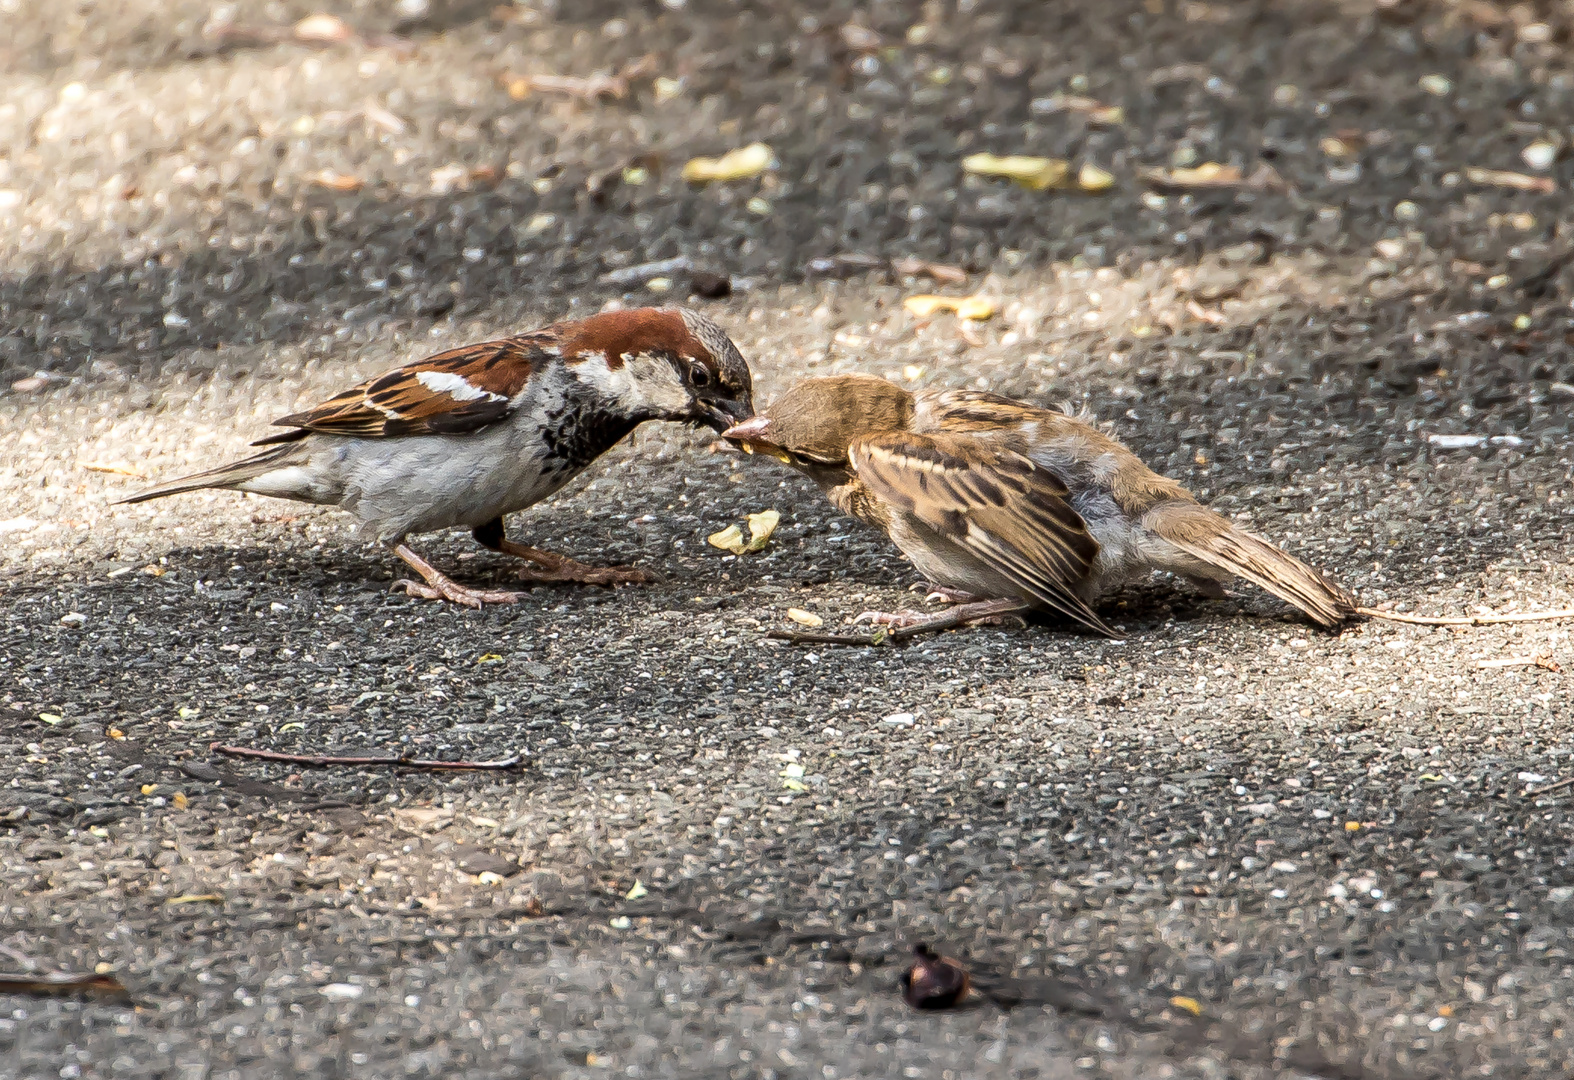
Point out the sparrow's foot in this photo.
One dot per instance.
(439, 586)
(895, 620)
(905, 624)
(447, 588)
(555, 568)
(580, 574)
(947, 595)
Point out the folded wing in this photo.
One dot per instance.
(452, 393)
(998, 505)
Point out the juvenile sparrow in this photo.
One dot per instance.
(1011, 507)
(469, 435)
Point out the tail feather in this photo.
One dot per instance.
(233, 476)
(1205, 535)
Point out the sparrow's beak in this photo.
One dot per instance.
(752, 436)
(723, 413)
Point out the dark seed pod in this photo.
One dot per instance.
(934, 981)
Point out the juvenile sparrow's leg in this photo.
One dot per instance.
(557, 568)
(905, 624)
(439, 586)
(1212, 589)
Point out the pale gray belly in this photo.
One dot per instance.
(429, 482)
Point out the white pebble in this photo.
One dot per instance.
(342, 991)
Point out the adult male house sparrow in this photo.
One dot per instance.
(466, 436)
(1015, 506)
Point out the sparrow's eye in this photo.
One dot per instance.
(699, 376)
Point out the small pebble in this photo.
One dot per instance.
(342, 991)
(76, 620)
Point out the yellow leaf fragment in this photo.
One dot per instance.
(148, 789)
(728, 539)
(324, 28)
(761, 526)
(1093, 178)
(180, 801)
(115, 733)
(489, 658)
(739, 164)
(923, 306)
(804, 618)
(1035, 173)
(1191, 1005)
(966, 307)
(637, 891)
(110, 467)
(51, 718)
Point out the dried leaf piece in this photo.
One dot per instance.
(966, 307)
(739, 164)
(949, 275)
(1096, 111)
(195, 898)
(98, 984)
(792, 777)
(335, 181)
(1191, 1005)
(761, 526)
(587, 87)
(728, 539)
(108, 467)
(804, 618)
(1541, 185)
(1212, 174)
(1034, 173)
(1093, 179)
(323, 28)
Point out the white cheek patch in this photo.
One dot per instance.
(659, 386)
(456, 387)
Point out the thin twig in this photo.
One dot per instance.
(795, 638)
(1468, 620)
(59, 983)
(1559, 786)
(1542, 660)
(400, 762)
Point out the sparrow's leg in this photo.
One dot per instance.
(905, 624)
(439, 586)
(1209, 587)
(557, 568)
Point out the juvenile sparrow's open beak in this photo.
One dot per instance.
(722, 413)
(751, 437)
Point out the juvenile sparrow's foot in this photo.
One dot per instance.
(947, 595)
(896, 620)
(979, 613)
(446, 588)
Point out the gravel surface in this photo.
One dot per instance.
(1227, 846)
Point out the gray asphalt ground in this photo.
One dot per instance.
(1227, 846)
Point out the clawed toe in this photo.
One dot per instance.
(893, 619)
(455, 593)
(579, 574)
